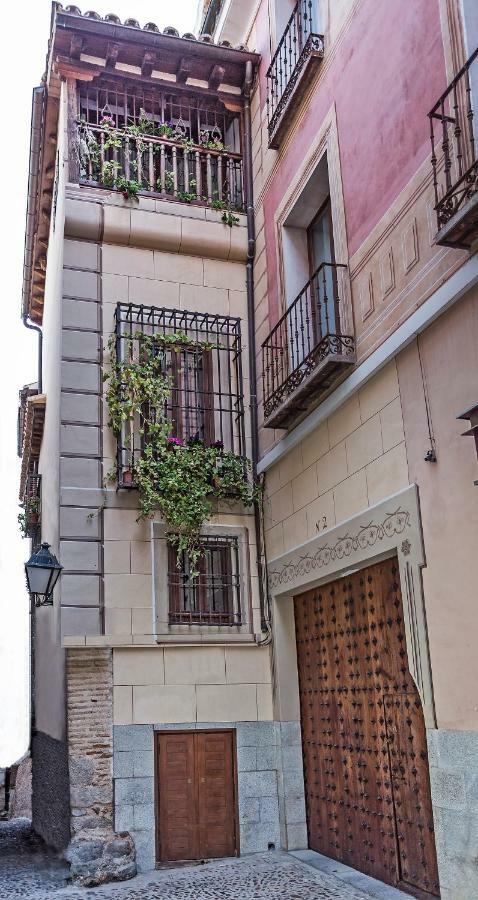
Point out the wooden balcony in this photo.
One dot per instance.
(305, 351)
(292, 67)
(454, 140)
(172, 167)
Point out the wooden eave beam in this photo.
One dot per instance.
(112, 51)
(76, 46)
(148, 64)
(216, 77)
(184, 70)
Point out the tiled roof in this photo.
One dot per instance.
(112, 19)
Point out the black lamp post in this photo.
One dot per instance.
(42, 571)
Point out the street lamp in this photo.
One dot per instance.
(42, 571)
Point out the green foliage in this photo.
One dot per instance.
(180, 478)
(129, 188)
(229, 218)
(29, 508)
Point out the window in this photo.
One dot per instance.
(206, 400)
(320, 245)
(213, 597)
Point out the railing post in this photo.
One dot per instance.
(151, 165)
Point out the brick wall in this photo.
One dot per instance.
(90, 738)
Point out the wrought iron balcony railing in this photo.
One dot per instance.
(299, 48)
(32, 506)
(305, 349)
(173, 169)
(206, 401)
(454, 132)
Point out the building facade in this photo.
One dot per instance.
(250, 266)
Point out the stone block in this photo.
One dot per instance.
(269, 810)
(138, 666)
(80, 345)
(292, 758)
(257, 784)
(256, 734)
(80, 255)
(81, 770)
(295, 810)
(249, 810)
(144, 817)
(471, 788)
(143, 763)
(85, 373)
(80, 408)
(123, 764)
(224, 700)
(457, 749)
(297, 838)
(194, 665)
(246, 759)
(290, 734)
(77, 621)
(158, 703)
(80, 285)
(80, 590)
(258, 838)
(80, 473)
(145, 849)
(80, 440)
(80, 556)
(133, 737)
(80, 314)
(448, 789)
(134, 790)
(293, 784)
(124, 817)
(267, 758)
(80, 522)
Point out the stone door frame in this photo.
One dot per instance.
(391, 527)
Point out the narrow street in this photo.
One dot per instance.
(30, 872)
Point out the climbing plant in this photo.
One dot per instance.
(180, 477)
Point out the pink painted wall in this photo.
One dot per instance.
(388, 72)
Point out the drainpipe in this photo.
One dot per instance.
(33, 186)
(251, 253)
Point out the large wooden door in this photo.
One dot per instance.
(363, 735)
(196, 795)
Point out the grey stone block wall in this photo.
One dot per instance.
(269, 776)
(80, 441)
(453, 760)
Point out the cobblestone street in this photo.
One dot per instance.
(28, 871)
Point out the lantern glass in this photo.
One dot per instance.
(42, 572)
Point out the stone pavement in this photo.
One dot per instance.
(27, 871)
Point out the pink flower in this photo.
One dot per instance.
(175, 442)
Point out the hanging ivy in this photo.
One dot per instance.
(181, 478)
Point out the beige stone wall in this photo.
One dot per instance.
(354, 459)
(183, 684)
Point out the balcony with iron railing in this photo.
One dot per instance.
(306, 350)
(30, 516)
(298, 55)
(454, 140)
(165, 168)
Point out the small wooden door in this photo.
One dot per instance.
(363, 735)
(196, 795)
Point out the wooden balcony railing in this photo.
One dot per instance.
(305, 349)
(175, 170)
(454, 140)
(298, 49)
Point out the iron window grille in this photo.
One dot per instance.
(184, 164)
(206, 400)
(213, 597)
